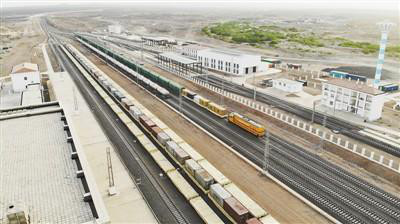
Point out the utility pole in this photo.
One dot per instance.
(111, 185)
(222, 92)
(255, 88)
(266, 153)
(180, 103)
(313, 112)
(321, 140)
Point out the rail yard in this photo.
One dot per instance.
(153, 128)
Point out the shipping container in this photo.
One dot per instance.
(204, 211)
(204, 178)
(155, 130)
(173, 136)
(143, 118)
(189, 94)
(236, 210)
(171, 147)
(219, 194)
(181, 156)
(217, 109)
(214, 172)
(269, 220)
(245, 200)
(389, 87)
(148, 124)
(162, 162)
(136, 112)
(192, 152)
(253, 221)
(127, 103)
(163, 138)
(183, 186)
(192, 166)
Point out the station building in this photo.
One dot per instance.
(229, 62)
(353, 97)
(24, 74)
(191, 50)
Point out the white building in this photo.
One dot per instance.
(350, 96)
(191, 50)
(230, 62)
(23, 75)
(115, 29)
(287, 85)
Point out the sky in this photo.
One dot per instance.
(376, 5)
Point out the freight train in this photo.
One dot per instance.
(214, 108)
(228, 198)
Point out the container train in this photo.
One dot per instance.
(232, 202)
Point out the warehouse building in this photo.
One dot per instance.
(287, 85)
(191, 50)
(229, 62)
(158, 41)
(350, 96)
(23, 75)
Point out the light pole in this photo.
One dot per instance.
(321, 140)
(255, 88)
(313, 112)
(266, 153)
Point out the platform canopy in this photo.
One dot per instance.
(178, 58)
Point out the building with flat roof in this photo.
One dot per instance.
(230, 62)
(191, 50)
(24, 74)
(287, 85)
(32, 95)
(350, 96)
(41, 174)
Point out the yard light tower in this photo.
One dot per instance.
(385, 28)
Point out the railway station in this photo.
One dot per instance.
(182, 65)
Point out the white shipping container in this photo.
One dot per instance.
(171, 147)
(197, 99)
(214, 172)
(181, 155)
(192, 166)
(136, 112)
(219, 194)
(192, 152)
(204, 178)
(163, 138)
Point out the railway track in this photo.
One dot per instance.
(342, 195)
(345, 128)
(160, 193)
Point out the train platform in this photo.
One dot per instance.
(127, 205)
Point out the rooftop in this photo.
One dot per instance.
(25, 67)
(178, 58)
(38, 175)
(9, 98)
(353, 85)
(195, 46)
(32, 95)
(228, 52)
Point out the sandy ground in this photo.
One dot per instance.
(281, 204)
(26, 48)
